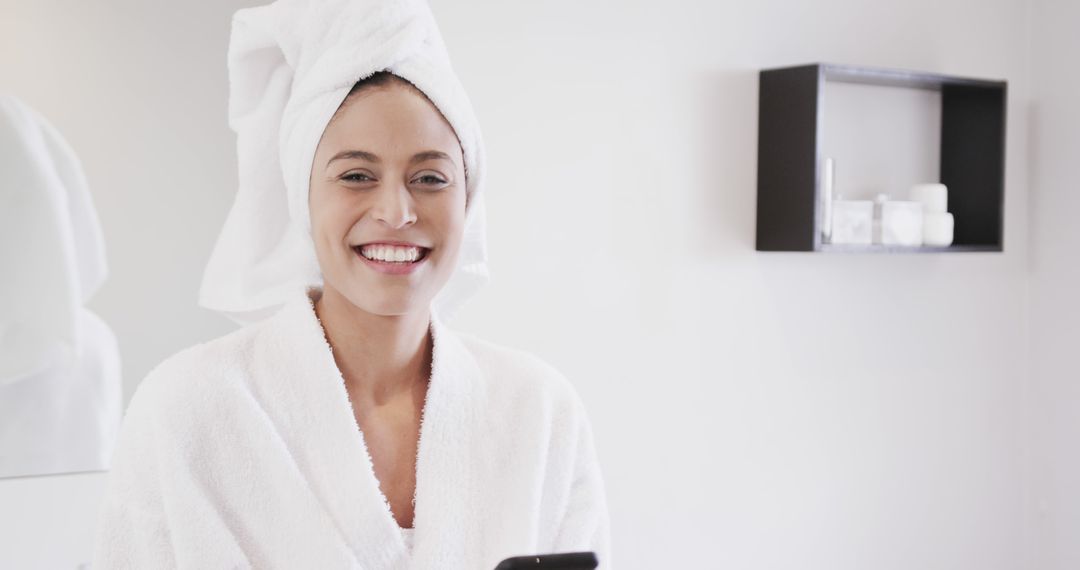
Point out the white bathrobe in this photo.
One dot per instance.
(244, 452)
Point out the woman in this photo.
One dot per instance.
(346, 426)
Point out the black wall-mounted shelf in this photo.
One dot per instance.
(790, 123)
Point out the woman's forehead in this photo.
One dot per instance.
(394, 119)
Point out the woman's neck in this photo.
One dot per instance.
(381, 358)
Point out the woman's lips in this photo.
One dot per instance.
(391, 267)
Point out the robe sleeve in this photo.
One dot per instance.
(585, 524)
(132, 529)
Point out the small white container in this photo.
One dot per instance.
(902, 223)
(934, 197)
(852, 221)
(938, 229)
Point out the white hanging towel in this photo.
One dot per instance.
(244, 452)
(51, 247)
(60, 386)
(65, 418)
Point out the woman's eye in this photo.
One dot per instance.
(356, 177)
(431, 179)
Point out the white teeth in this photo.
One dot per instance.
(390, 253)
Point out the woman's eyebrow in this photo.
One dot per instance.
(372, 157)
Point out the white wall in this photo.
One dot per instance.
(1055, 281)
(751, 410)
(755, 410)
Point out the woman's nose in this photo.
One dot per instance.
(394, 206)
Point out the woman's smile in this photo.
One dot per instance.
(391, 261)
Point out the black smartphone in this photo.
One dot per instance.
(561, 561)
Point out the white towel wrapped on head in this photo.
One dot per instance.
(291, 64)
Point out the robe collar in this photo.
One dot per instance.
(334, 458)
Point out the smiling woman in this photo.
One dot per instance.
(346, 416)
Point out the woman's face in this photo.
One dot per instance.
(388, 168)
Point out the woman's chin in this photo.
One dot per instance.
(387, 305)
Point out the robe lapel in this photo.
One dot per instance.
(316, 420)
(446, 481)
